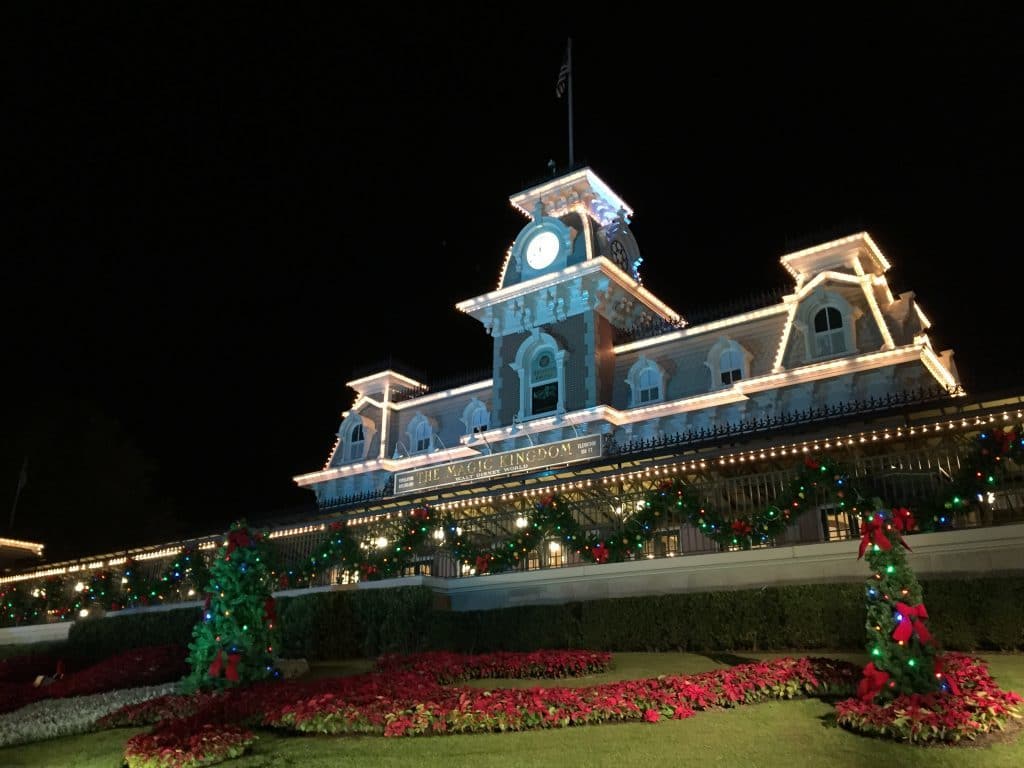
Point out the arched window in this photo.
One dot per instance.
(354, 437)
(731, 365)
(540, 365)
(829, 337)
(481, 420)
(646, 382)
(728, 363)
(543, 382)
(356, 443)
(475, 417)
(421, 437)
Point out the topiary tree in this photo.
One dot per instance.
(903, 654)
(233, 641)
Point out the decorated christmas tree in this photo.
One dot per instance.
(901, 649)
(233, 641)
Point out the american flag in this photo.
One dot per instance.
(563, 76)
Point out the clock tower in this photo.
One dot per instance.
(569, 285)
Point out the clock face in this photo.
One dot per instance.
(542, 249)
(619, 256)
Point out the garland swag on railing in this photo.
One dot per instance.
(672, 502)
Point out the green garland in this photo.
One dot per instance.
(674, 501)
(670, 503)
(678, 500)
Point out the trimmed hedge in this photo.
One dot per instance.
(341, 625)
(97, 639)
(966, 614)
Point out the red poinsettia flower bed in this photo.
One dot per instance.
(974, 705)
(469, 710)
(187, 744)
(399, 701)
(141, 666)
(445, 667)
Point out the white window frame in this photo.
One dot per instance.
(726, 346)
(417, 426)
(356, 448)
(354, 451)
(476, 417)
(528, 351)
(809, 311)
(832, 335)
(639, 382)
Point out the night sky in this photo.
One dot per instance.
(217, 214)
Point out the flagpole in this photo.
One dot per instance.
(572, 161)
(22, 480)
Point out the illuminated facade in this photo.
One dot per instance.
(582, 348)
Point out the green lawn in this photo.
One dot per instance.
(785, 734)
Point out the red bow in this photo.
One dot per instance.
(232, 671)
(940, 673)
(216, 665)
(270, 611)
(812, 463)
(600, 553)
(545, 501)
(237, 539)
(336, 526)
(483, 564)
(420, 513)
(872, 682)
(910, 623)
(282, 581)
(903, 520)
(741, 527)
(873, 532)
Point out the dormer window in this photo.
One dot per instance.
(829, 336)
(481, 419)
(475, 417)
(354, 437)
(421, 437)
(827, 322)
(646, 382)
(731, 366)
(356, 443)
(728, 362)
